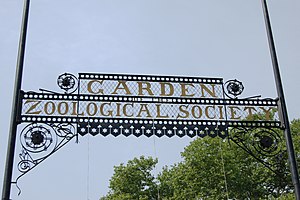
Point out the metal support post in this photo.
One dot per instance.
(16, 97)
(282, 105)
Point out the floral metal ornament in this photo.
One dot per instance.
(234, 88)
(67, 82)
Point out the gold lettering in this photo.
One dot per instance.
(164, 90)
(144, 108)
(267, 112)
(182, 108)
(122, 86)
(125, 109)
(31, 110)
(185, 89)
(249, 109)
(52, 108)
(118, 109)
(62, 105)
(221, 112)
(233, 110)
(108, 113)
(145, 86)
(75, 107)
(158, 112)
(197, 114)
(207, 113)
(91, 111)
(90, 87)
(209, 91)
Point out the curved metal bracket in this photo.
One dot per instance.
(264, 144)
(41, 140)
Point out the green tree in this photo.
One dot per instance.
(133, 180)
(212, 168)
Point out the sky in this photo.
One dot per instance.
(203, 38)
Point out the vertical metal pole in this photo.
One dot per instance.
(13, 123)
(283, 108)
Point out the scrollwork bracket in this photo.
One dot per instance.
(41, 140)
(263, 144)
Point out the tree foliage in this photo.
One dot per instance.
(211, 168)
(133, 181)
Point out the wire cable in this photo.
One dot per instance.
(223, 166)
(155, 155)
(88, 168)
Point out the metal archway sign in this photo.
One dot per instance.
(143, 105)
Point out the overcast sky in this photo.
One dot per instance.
(205, 38)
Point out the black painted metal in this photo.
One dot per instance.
(167, 100)
(152, 78)
(41, 140)
(80, 103)
(263, 144)
(16, 104)
(155, 127)
(67, 82)
(283, 108)
(234, 88)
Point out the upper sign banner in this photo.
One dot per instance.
(150, 86)
(148, 105)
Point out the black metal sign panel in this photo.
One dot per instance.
(113, 104)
